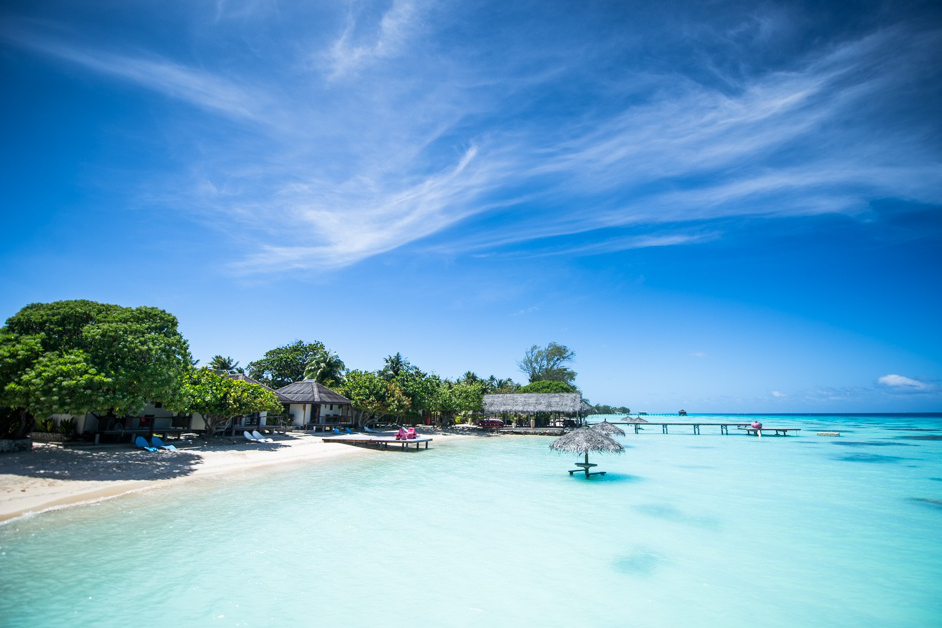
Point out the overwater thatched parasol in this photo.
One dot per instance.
(607, 428)
(584, 440)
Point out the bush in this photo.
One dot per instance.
(67, 427)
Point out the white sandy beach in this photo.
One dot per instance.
(54, 477)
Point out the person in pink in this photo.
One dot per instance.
(756, 425)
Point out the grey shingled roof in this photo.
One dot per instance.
(567, 403)
(309, 391)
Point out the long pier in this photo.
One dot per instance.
(378, 441)
(724, 427)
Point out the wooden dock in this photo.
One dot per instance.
(724, 427)
(380, 442)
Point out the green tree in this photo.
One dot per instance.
(326, 369)
(284, 365)
(469, 396)
(547, 386)
(418, 388)
(75, 357)
(366, 392)
(218, 398)
(397, 403)
(548, 363)
(224, 365)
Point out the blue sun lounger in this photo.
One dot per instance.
(141, 443)
(156, 442)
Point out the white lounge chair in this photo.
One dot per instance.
(249, 437)
(260, 438)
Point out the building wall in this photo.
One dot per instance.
(162, 418)
(301, 413)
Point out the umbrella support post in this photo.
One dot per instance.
(585, 466)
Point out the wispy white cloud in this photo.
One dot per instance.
(351, 50)
(386, 142)
(778, 394)
(901, 383)
(203, 89)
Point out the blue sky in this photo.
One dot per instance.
(725, 206)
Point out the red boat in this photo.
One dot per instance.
(491, 424)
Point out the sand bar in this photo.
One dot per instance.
(52, 476)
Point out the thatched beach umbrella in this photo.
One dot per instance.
(584, 440)
(607, 428)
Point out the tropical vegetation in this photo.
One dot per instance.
(74, 357)
(549, 363)
(218, 398)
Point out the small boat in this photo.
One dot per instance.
(491, 424)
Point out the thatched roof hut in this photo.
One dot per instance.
(569, 404)
(310, 391)
(608, 428)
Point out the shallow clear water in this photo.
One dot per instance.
(704, 530)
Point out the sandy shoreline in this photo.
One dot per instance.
(52, 477)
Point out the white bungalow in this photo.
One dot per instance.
(311, 404)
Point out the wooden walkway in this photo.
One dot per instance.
(724, 427)
(381, 442)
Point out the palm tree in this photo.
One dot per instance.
(325, 369)
(470, 377)
(394, 365)
(224, 364)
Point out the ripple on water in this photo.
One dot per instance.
(923, 437)
(874, 458)
(872, 443)
(637, 563)
(670, 513)
(936, 503)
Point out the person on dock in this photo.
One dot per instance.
(757, 426)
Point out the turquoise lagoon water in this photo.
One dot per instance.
(684, 530)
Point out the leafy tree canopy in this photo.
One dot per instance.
(373, 395)
(548, 363)
(602, 408)
(218, 398)
(284, 365)
(547, 386)
(73, 357)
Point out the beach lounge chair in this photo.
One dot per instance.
(410, 433)
(369, 431)
(141, 443)
(260, 438)
(402, 434)
(336, 432)
(249, 437)
(159, 444)
(347, 430)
